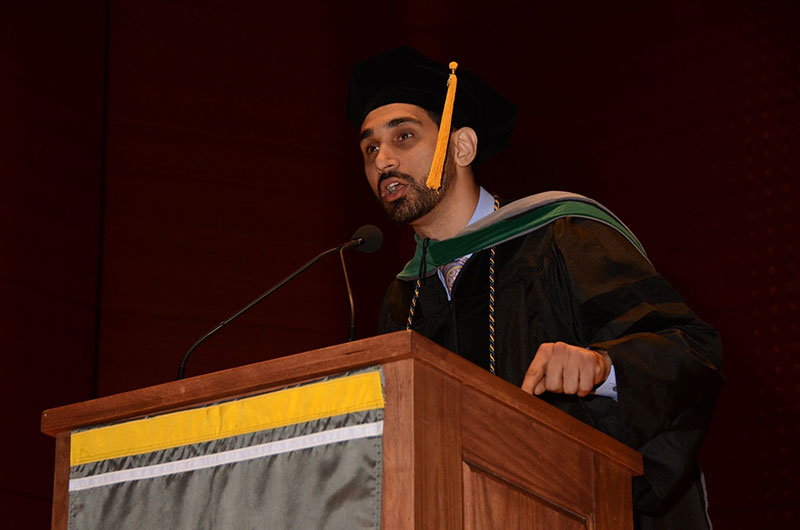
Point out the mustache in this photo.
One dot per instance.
(396, 174)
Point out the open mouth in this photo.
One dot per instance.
(393, 190)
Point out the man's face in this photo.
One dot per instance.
(397, 143)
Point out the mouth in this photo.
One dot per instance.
(393, 190)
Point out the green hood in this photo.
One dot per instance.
(513, 220)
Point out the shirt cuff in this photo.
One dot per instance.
(609, 387)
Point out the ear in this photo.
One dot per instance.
(465, 144)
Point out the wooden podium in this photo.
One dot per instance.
(461, 448)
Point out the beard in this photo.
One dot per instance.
(419, 200)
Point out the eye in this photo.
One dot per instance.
(405, 136)
(371, 149)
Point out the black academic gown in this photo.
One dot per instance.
(580, 282)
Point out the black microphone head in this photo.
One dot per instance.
(371, 238)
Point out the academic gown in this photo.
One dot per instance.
(581, 282)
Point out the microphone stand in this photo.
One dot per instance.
(352, 335)
(340, 248)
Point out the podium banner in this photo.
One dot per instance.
(307, 456)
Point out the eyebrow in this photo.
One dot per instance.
(366, 133)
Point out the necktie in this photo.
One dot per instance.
(450, 271)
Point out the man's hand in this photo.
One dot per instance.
(560, 367)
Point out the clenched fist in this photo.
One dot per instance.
(560, 367)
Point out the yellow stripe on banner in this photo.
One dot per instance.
(268, 411)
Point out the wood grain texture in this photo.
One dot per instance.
(494, 503)
(437, 443)
(60, 518)
(612, 496)
(530, 455)
(398, 446)
(421, 443)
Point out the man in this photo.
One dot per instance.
(551, 292)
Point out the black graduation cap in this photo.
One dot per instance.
(406, 76)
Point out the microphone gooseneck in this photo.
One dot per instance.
(367, 239)
(352, 334)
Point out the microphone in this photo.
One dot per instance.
(366, 239)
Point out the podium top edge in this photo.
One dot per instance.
(292, 369)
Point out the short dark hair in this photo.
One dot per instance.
(437, 119)
(435, 116)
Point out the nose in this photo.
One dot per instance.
(385, 160)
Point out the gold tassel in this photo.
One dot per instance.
(434, 180)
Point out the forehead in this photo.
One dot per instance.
(381, 116)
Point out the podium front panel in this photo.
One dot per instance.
(308, 456)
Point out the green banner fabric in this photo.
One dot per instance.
(324, 471)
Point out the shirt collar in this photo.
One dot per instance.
(484, 207)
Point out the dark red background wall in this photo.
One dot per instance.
(165, 161)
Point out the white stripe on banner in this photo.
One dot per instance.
(307, 441)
